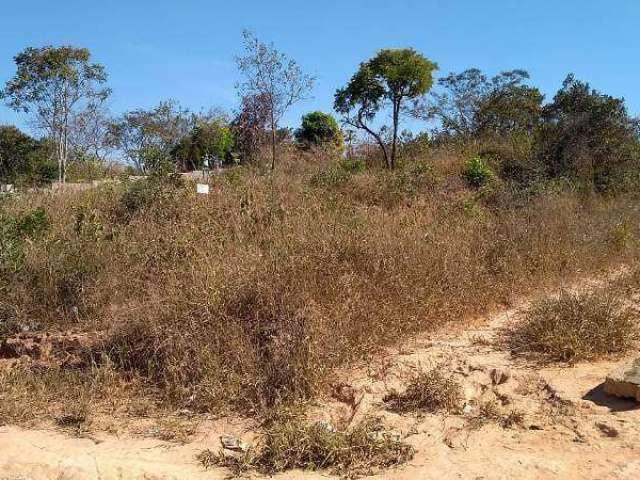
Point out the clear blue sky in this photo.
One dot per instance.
(159, 49)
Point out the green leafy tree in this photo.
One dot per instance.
(471, 105)
(391, 78)
(24, 159)
(588, 135)
(16, 149)
(55, 83)
(208, 137)
(271, 76)
(147, 137)
(319, 129)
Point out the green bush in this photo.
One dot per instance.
(588, 136)
(477, 172)
(319, 129)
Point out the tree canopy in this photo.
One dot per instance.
(209, 137)
(319, 129)
(588, 134)
(55, 83)
(147, 137)
(389, 78)
(470, 104)
(24, 159)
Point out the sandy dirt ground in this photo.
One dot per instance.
(568, 428)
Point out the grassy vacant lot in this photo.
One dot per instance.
(248, 297)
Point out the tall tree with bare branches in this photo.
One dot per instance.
(271, 75)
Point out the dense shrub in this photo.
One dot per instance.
(209, 138)
(25, 160)
(319, 129)
(477, 171)
(589, 136)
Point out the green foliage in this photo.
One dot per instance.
(42, 69)
(352, 165)
(469, 104)
(24, 160)
(208, 137)
(319, 129)
(43, 172)
(589, 136)
(515, 158)
(55, 84)
(15, 150)
(476, 171)
(391, 77)
(147, 137)
(403, 73)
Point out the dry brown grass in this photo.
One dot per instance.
(489, 412)
(290, 443)
(246, 298)
(430, 391)
(577, 326)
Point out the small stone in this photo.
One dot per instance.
(499, 376)
(234, 444)
(325, 425)
(624, 381)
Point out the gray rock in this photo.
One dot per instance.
(624, 381)
(234, 444)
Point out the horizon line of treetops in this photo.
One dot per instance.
(580, 132)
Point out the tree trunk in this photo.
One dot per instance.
(273, 147)
(378, 139)
(59, 155)
(273, 139)
(396, 116)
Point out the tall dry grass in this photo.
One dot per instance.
(250, 296)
